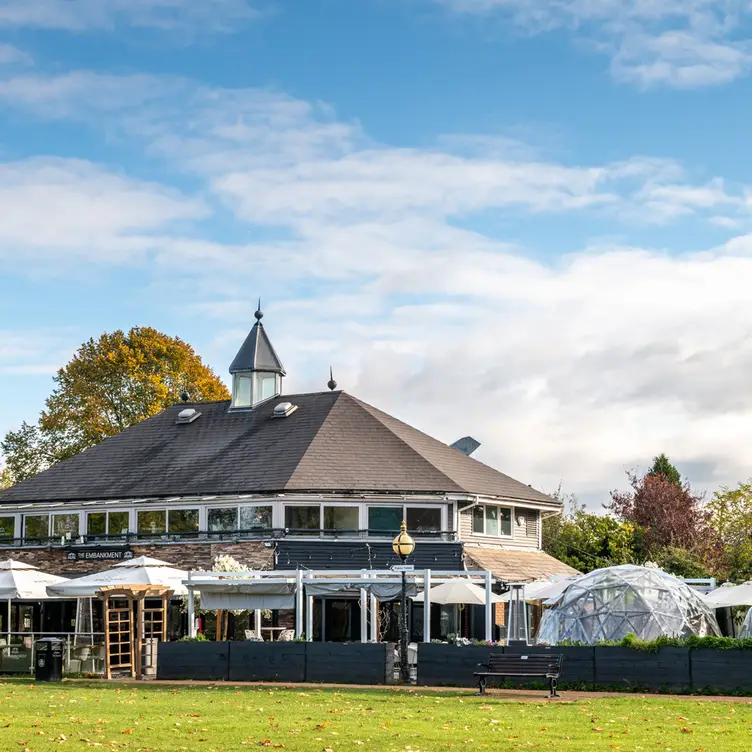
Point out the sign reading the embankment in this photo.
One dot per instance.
(99, 554)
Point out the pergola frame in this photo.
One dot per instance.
(133, 594)
(298, 579)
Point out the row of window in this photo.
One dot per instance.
(246, 517)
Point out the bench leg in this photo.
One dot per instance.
(553, 693)
(482, 685)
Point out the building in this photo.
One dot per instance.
(278, 481)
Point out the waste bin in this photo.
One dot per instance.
(48, 663)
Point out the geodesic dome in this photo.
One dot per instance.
(609, 603)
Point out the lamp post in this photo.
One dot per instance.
(403, 545)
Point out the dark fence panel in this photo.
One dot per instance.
(448, 665)
(351, 663)
(578, 665)
(635, 669)
(724, 670)
(267, 661)
(193, 660)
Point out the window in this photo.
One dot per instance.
(384, 519)
(36, 526)
(256, 518)
(490, 520)
(267, 386)
(303, 518)
(223, 520)
(65, 524)
(107, 523)
(7, 527)
(183, 521)
(242, 391)
(423, 519)
(341, 518)
(152, 522)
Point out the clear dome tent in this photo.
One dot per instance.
(609, 603)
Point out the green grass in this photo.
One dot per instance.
(145, 718)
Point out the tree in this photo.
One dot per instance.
(6, 478)
(588, 541)
(667, 514)
(111, 383)
(663, 466)
(731, 523)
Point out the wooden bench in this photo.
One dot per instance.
(543, 665)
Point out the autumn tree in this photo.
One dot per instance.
(731, 524)
(663, 466)
(6, 478)
(111, 382)
(588, 541)
(668, 515)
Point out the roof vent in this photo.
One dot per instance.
(187, 416)
(283, 409)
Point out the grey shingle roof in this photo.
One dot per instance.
(332, 443)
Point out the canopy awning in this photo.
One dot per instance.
(139, 571)
(517, 566)
(733, 595)
(24, 582)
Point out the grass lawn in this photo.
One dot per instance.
(172, 719)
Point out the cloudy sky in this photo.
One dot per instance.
(525, 220)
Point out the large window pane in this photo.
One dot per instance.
(256, 518)
(96, 523)
(267, 384)
(492, 520)
(36, 526)
(478, 520)
(384, 519)
(423, 520)
(302, 518)
(242, 391)
(152, 522)
(119, 523)
(7, 527)
(223, 520)
(183, 521)
(505, 521)
(341, 518)
(65, 524)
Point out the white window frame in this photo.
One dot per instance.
(490, 535)
(403, 506)
(106, 511)
(16, 523)
(204, 526)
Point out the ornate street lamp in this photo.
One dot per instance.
(403, 545)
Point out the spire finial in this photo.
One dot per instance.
(259, 313)
(332, 384)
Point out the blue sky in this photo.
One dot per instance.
(523, 219)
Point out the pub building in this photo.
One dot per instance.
(277, 481)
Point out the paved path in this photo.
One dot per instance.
(515, 695)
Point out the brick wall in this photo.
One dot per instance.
(195, 556)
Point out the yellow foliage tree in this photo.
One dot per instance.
(112, 382)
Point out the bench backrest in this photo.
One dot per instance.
(540, 664)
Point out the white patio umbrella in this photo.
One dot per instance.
(733, 595)
(458, 591)
(24, 582)
(139, 571)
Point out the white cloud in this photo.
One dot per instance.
(680, 43)
(9, 54)
(83, 15)
(73, 206)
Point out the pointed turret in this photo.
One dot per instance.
(257, 371)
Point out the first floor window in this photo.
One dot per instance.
(223, 520)
(341, 518)
(36, 526)
(7, 527)
(255, 518)
(107, 523)
(152, 522)
(303, 518)
(183, 521)
(64, 524)
(423, 520)
(492, 520)
(384, 519)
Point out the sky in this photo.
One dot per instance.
(529, 221)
